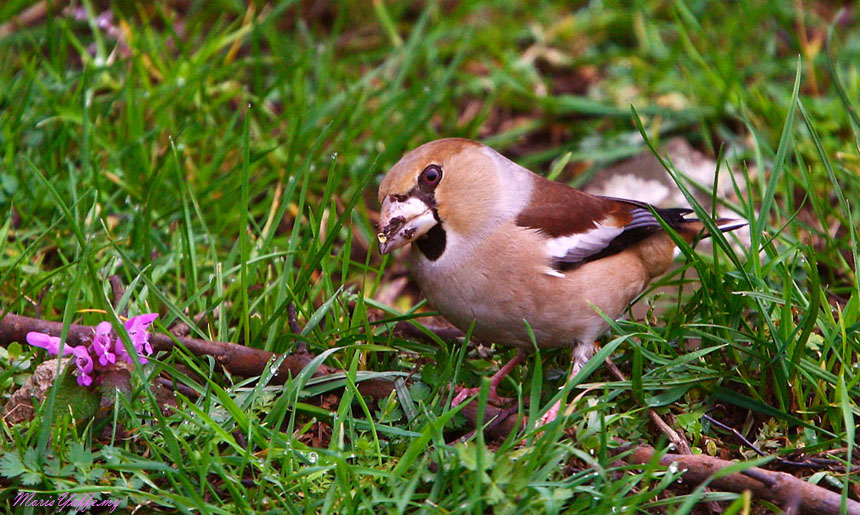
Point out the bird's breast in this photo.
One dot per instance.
(497, 283)
(500, 281)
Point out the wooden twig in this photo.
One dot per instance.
(181, 329)
(734, 432)
(293, 318)
(295, 327)
(779, 488)
(679, 441)
(237, 359)
(118, 291)
(38, 303)
(676, 438)
(810, 463)
(411, 331)
(179, 387)
(27, 17)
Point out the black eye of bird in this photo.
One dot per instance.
(431, 175)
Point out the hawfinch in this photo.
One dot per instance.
(498, 245)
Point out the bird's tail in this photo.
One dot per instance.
(730, 224)
(692, 228)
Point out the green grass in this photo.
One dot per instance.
(226, 165)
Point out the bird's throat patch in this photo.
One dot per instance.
(432, 244)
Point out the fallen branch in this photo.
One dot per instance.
(237, 359)
(777, 487)
(445, 333)
(242, 361)
(28, 17)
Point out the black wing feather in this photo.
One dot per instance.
(642, 225)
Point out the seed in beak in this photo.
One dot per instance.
(382, 237)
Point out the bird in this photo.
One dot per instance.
(501, 249)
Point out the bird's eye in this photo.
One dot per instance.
(431, 175)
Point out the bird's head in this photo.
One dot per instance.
(448, 185)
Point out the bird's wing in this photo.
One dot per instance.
(580, 227)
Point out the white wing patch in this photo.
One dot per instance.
(579, 246)
(553, 272)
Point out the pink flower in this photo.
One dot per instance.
(104, 347)
(85, 365)
(52, 344)
(102, 344)
(47, 342)
(137, 331)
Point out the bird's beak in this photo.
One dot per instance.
(402, 222)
